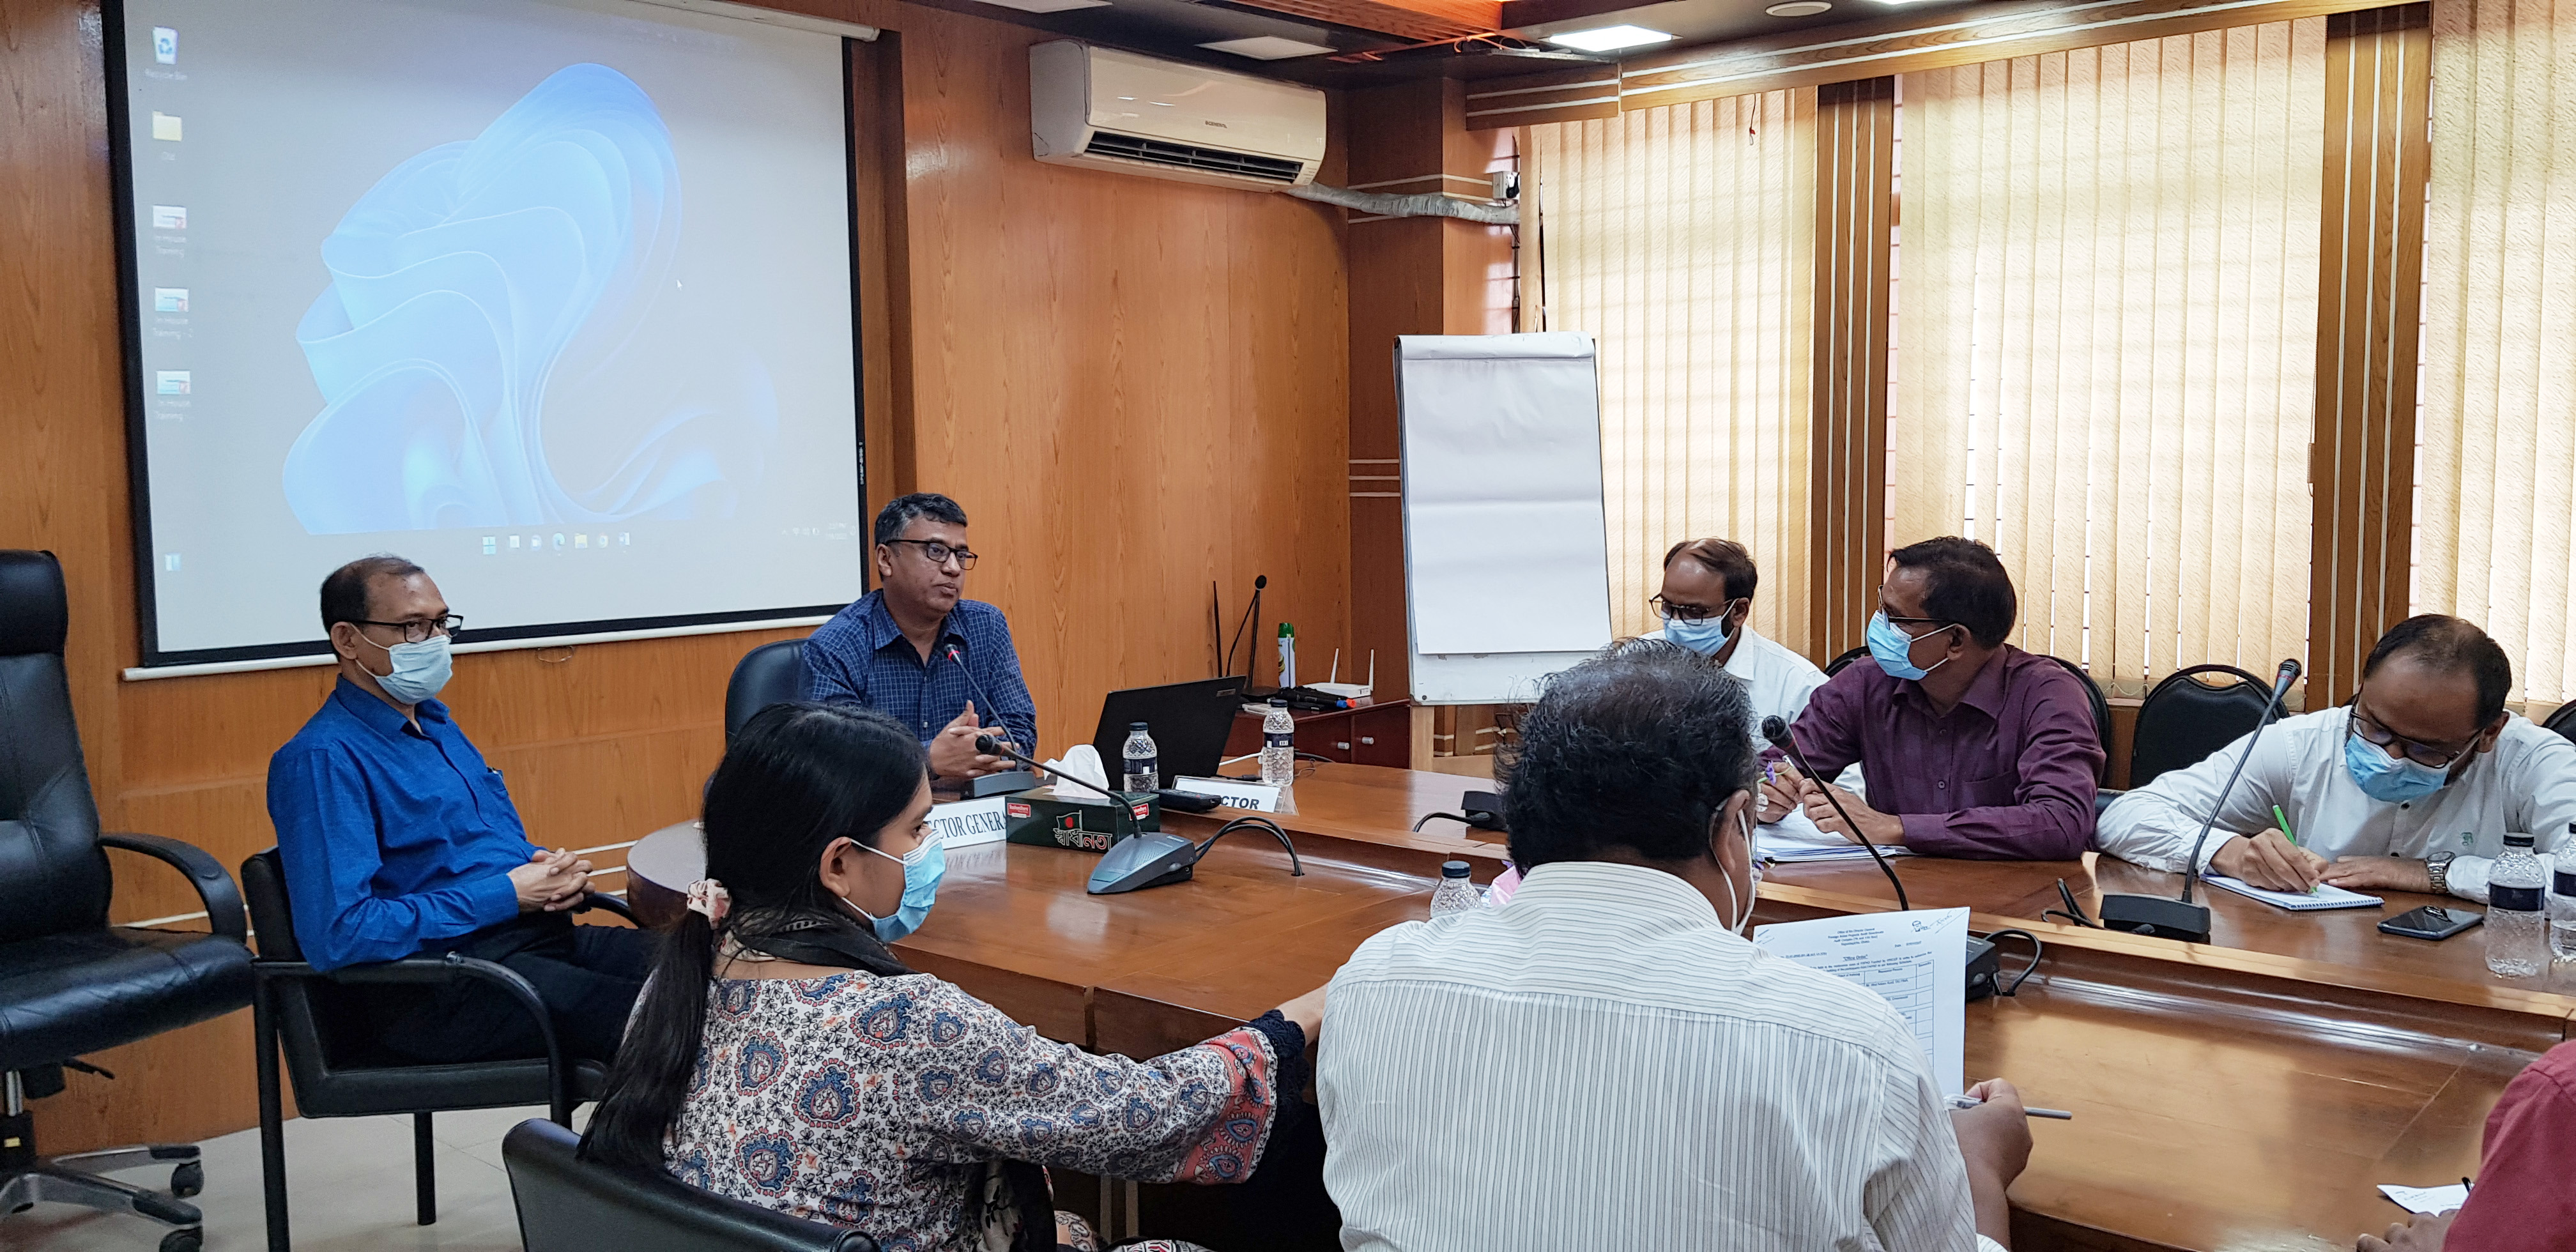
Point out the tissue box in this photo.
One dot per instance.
(1048, 820)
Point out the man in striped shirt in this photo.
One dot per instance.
(1606, 1063)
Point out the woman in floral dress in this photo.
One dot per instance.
(781, 1055)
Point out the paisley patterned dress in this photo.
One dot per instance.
(881, 1103)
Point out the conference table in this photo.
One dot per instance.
(2244, 1094)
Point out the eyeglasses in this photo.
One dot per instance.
(2431, 756)
(940, 553)
(451, 626)
(1672, 612)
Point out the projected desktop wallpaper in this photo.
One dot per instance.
(550, 296)
(473, 291)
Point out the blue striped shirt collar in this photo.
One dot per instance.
(882, 629)
(379, 716)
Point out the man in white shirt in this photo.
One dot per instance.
(1606, 1063)
(2411, 787)
(1706, 605)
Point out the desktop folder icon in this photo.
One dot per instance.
(165, 126)
(169, 299)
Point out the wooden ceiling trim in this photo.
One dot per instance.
(1873, 49)
(1423, 21)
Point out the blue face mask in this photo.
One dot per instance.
(1705, 636)
(420, 669)
(923, 867)
(1893, 649)
(2384, 777)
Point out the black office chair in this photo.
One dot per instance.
(70, 984)
(773, 673)
(2563, 720)
(2188, 716)
(571, 1205)
(1838, 664)
(340, 1070)
(2101, 712)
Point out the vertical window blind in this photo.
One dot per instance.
(1681, 238)
(2105, 331)
(2496, 504)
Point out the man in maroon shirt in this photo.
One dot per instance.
(1972, 747)
(2522, 1202)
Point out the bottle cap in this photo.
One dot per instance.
(1135, 725)
(1279, 702)
(1453, 869)
(2517, 839)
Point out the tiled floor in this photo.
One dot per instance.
(349, 1187)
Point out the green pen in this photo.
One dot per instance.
(2291, 835)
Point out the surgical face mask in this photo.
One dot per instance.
(1705, 636)
(2383, 777)
(1893, 649)
(1743, 909)
(420, 669)
(923, 867)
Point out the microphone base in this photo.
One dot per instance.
(2156, 916)
(1985, 968)
(1000, 784)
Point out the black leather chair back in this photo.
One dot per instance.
(570, 1205)
(53, 874)
(1843, 662)
(2101, 708)
(773, 673)
(2563, 720)
(2187, 717)
(320, 1027)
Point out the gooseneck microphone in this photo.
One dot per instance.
(2181, 918)
(1251, 618)
(1777, 731)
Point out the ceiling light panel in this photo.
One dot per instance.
(1048, 6)
(1268, 48)
(1609, 38)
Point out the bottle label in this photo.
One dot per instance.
(1145, 765)
(1280, 739)
(2514, 899)
(2567, 882)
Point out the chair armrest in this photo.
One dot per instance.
(605, 902)
(222, 897)
(453, 967)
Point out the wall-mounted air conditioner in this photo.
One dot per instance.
(1165, 119)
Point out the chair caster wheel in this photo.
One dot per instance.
(188, 1180)
(184, 1241)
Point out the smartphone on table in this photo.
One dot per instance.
(2432, 922)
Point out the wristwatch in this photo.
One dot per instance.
(2438, 866)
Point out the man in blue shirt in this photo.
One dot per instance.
(916, 651)
(398, 840)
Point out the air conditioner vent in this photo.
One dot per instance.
(1191, 156)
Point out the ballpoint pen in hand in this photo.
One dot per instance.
(2287, 833)
(1969, 1102)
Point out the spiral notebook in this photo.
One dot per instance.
(2324, 897)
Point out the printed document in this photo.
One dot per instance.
(1917, 961)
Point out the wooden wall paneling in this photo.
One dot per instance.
(880, 246)
(1133, 386)
(2378, 161)
(1855, 213)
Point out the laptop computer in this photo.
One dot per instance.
(1189, 721)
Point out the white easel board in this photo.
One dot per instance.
(1506, 550)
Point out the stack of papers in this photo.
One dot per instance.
(2324, 897)
(1917, 962)
(1794, 839)
(2426, 1199)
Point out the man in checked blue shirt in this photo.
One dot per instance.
(915, 650)
(398, 840)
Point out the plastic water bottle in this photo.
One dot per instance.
(1278, 744)
(1144, 766)
(1454, 894)
(2562, 901)
(2517, 930)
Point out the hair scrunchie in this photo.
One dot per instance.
(709, 898)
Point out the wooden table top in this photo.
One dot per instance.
(2238, 1097)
